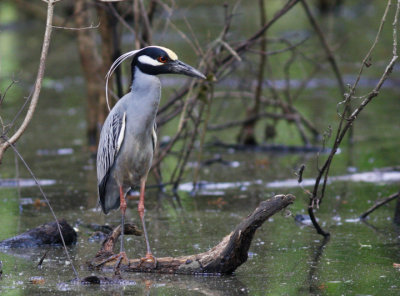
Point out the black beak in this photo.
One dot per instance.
(179, 67)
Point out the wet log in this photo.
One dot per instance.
(224, 258)
(46, 234)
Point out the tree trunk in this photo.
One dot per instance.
(92, 67)
(247, 132)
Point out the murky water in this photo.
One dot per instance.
(285, 258)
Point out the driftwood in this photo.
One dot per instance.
(45, 234)
(224, 258)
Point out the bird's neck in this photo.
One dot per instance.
(145, 98)
(144, 83)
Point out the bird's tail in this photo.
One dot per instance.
(108, 195)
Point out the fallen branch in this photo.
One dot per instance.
(224, 258)
(379, 203)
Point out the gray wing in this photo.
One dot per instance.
(111, 137)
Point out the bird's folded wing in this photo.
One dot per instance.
(111, 139)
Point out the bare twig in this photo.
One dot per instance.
(325, 45)
(256, 36)
(235, 123)
(122, 20)
(78, 28)
(209, 98)
(2, 96)
(291, 113)
(188, 149)
(146, 34)
(10, 142)
(136, 19)
(38, 84)
(378, 204)
(346, 123)
(274, 52)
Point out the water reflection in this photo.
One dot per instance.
(150, 284)
(14, 183)
(317, 250)
(209, 188)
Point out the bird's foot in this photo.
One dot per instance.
(117, 258)
(148, 262)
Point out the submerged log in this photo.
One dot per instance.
(46, 234)
(224, 258)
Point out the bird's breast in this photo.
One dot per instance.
(134, 158)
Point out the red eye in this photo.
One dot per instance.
(162, 59)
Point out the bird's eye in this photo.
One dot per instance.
(162, 59)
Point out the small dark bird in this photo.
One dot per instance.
(128, 137)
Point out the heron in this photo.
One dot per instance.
(128, 136)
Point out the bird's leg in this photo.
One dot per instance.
(122, 207)
(149, 256)
(122, 255)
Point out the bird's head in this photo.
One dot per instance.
(154, 60)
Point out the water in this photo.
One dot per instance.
(285, 258)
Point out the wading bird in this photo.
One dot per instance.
(128, 137)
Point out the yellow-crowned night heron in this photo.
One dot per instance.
(128, 136)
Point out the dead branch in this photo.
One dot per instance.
(2, 96)
(256, 36)
(146, 25)
(325, 45)
(208, 97)
(346, 123)
(378, 204)
(217, 62)
(291, 113)
(183, 159)
(224, 258)
(34, 9)
(235, 123)
(5, 141)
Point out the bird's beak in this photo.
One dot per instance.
(179, 67)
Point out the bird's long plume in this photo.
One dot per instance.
(114, 66)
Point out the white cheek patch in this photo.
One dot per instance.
(144, 59)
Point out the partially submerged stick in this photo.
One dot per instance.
(224, 258)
